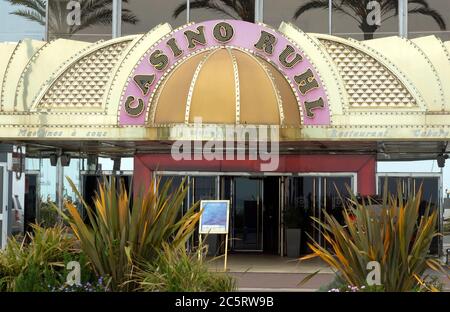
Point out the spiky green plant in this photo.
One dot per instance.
(121, 231)
(38, 260)
(396, 236)
(177, 270)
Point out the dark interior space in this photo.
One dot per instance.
(91, 183)
(31, 201)
(271, 214)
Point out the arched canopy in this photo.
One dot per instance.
(313, 87)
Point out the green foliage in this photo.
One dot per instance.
(397, 236)
(176, 270)
(38, 262)
(48, 215)
(121, 232)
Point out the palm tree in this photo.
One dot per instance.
(357, 9)
(93, 12)
(236, 9)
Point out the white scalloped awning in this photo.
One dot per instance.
(378, 90)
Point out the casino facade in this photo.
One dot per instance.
(327, 108)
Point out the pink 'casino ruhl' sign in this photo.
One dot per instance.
(258, 39)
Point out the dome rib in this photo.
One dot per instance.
(168, 107)
(224, 86)
(193, 82)
(274, 88)
(237, 88)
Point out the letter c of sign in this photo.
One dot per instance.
(134, 110)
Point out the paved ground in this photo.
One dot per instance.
(261, 263)
(256, 272)
(280, 281)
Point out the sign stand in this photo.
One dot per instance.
(226, 253)
(215, 220)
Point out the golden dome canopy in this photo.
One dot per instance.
(225, 86)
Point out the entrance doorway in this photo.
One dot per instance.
(3, 205)
(247, 215)
(31, 204)
(255, 214)
(306, 198)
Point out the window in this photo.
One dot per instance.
(216, 9)
(311, 20)
(365, 20)
(435, 20)
(149, 14)
(80, 19)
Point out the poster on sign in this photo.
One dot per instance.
(215, 216)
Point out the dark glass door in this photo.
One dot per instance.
(31, 201)
(247, 214)
(430, 197)
(300, 208)
(3, 203)
(334, 190)
(306, 199)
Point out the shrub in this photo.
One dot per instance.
(48, 215)
(394, 236)
(121, 232)
(39, 260)
(180, 271)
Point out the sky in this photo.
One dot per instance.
(14, 28)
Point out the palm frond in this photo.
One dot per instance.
(435, 15)
(225, 7)
(317, 4)
(30, 15)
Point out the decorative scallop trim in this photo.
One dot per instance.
(22, 75)
(105, 97)
(313, 64)
(72, 61)
(2, 91)
(127, 55)
(59, 72)
(343, 96)
(433, 68)
(360, 45)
